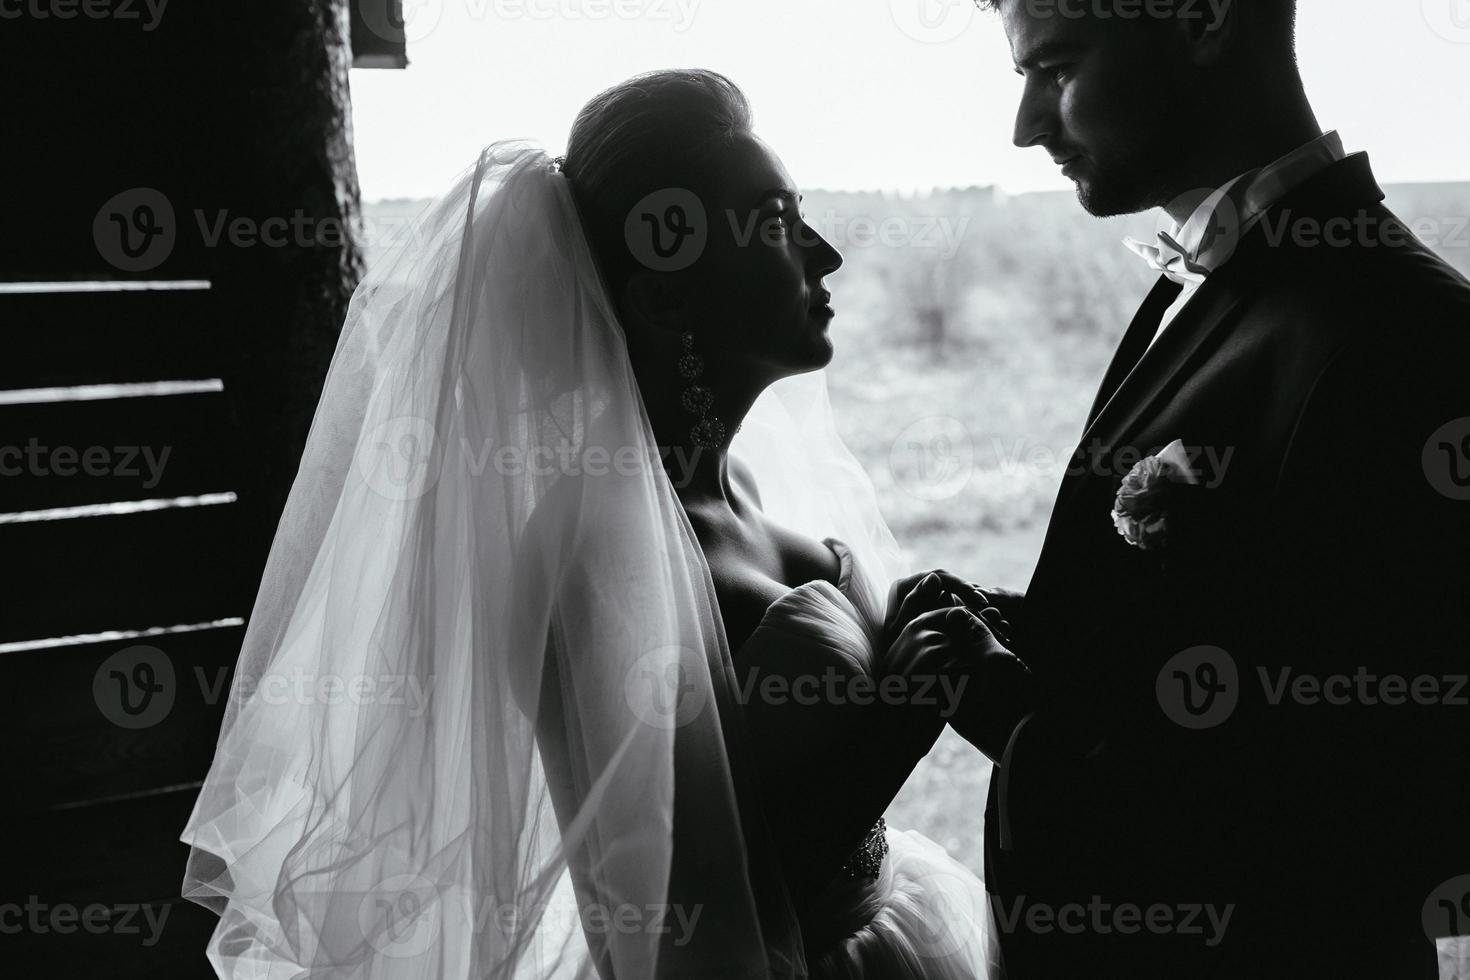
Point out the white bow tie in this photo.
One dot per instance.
(1171, 259)
(1211, 233)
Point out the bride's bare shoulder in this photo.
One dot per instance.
(801, 559)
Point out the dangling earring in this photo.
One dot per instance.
(708, 432)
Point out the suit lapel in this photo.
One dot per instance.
(1130, 350)
(1135, 383)
(1135, 341)
(1162, 368)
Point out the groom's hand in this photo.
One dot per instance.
(1009, 603)
(926, 591)
(992, 687)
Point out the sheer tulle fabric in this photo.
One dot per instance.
(485, 651)
(927, 917)
(811, 482)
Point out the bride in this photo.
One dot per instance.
(565, 658)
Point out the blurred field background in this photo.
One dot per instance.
(972, 330)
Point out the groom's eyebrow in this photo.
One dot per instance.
(1047, 51)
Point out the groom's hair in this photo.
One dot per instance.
(1276, 23)
(655, 131)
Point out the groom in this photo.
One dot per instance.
(1241, 747)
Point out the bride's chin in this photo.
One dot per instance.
(824, 349)
(812, 352)
(816, 358)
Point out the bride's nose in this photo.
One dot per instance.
(822, 257)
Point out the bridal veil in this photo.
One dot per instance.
(486, 651)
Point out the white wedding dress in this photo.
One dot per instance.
(922, 915)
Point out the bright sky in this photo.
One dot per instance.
(858, 94)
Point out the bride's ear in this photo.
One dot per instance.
(656, 300)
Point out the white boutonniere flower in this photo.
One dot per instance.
(1141, 511)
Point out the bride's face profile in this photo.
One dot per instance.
(757, 300)
(698, 230)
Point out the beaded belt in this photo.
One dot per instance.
(867, 860)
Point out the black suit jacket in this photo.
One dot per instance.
(1327, 546)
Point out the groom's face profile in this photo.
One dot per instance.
(1106, 98)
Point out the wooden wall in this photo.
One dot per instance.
(155, 390)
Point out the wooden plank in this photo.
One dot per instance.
(133, 571)
(110, 874)
(95, 338)
(87, 452)
(108, 719)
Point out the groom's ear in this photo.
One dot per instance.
(656, 299)
(1213, 28)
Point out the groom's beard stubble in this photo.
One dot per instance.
(1133, 173)
(1104, 194)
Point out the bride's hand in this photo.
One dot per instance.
(948, 640)
(939, 589)
(995, 686)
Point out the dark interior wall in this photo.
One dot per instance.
(234, 113)
(200, 140)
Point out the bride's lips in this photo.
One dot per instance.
(823, 308)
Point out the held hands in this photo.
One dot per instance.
(941, 626)
(936, 623)
(907, 599)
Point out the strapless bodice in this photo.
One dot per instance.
(831, 756)
(820, 623)
(808, 681)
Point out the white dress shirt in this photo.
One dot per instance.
(1190, 252)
